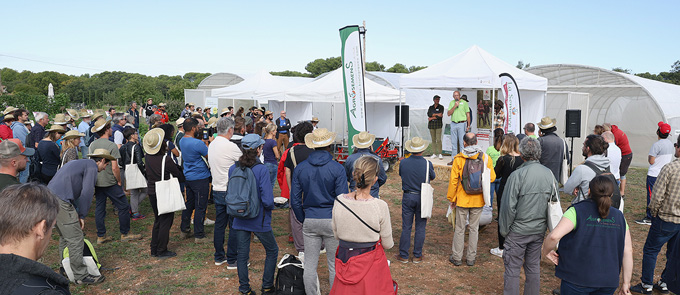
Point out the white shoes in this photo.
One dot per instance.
(497, 251)
(207, 221)
(301, 256)
(440, 157)
(433, 156)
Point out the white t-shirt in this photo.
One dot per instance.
(222, 153)
(662, 151)
(118, 137)
(614, 156)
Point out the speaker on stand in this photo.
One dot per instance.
(401, 120)
(572, 129)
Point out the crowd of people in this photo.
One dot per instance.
(334, 208)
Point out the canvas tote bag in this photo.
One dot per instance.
(554, 209)
(168, 193)
(564, 172)
(134, 178)
(486, 182)
(426, 194)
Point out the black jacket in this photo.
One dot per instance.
(21, 275)
(126, 155)
(285, 127)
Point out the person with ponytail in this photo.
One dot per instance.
(595, 244)
(361, 223)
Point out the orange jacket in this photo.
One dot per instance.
(456, 193)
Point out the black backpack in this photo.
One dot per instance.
(616, 196)
(34, 166)
(289, 277)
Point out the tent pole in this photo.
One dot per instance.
(401, 143)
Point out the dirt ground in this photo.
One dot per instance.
(193, 270)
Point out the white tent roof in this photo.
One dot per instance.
(330, 89)
(259, 85)
(472, 68)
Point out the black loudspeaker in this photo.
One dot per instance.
(404, 117)
(573, 123)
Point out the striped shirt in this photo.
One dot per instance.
(665, 202)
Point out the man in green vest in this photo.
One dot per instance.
(460, 115)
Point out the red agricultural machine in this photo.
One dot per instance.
(388, 152)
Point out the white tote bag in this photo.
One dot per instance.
(168, 193)
(134, 178)
(564, 172)
(426, 194)
(554, 209)
(486, 182)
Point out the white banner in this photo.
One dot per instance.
(512, 104)
(353, 77)
(211, 103)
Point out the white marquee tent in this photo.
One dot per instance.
(324, 98)
(259, 86)
(471, 70)
(633, 103)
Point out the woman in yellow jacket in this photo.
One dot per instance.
(466, 200)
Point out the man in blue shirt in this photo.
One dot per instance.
(20, 132)
(282, 129)
(84, 128)
(197, 174)
(413, 175)
(364, 143)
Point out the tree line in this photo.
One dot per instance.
(324, 65)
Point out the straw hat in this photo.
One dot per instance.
(315, 119)
(363, 140)
(319, 138)
(8, 110)
(57, 128)
(8, 117)
(153, 141)
(546, 123)
(60, 119)
(97, 115)
(191, 104)
(101, 153)
(416, 145)
(73, 113)
(84, 113)
(224, 111)
(99, 125)
(267, 113)
(179, 122)
(161, 105)
(211, 123)
(72, 134)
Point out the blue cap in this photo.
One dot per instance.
(251, 141)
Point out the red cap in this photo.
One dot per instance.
(664, 128)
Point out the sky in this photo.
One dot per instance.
(243, 37)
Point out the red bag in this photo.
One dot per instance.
(281, 175)
(367, 273)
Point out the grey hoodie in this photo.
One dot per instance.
(582, 175)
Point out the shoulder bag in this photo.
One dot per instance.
(134, 178)
(168, 193)
(554, 209)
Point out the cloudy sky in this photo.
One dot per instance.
(175, 37)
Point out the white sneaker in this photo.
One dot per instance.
(301, 256)
(323, 251)
(207, 221)
(441, 157)
(433, 156)
(497, 251)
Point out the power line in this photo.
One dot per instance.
(51, 63)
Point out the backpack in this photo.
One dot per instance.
(616, 196)
(289, 277)
(35, 165)
(472, 175)
(243, 200)
(89, 259)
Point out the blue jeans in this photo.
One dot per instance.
(196, 199)
(117, 196)
(410, 207)
(457, 132)
(660, 233)
(83, 152)
(222, 220)
(650, 187)
(494, 189)
(567, 288)
(272, 172)
(272, 253)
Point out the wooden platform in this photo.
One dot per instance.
(442, 170)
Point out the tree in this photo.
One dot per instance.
(290, 74)
(320, 66)
(520, 65)
(412, 69)
(375, 66)
(675, 68)
(398, 68)
(621, 70)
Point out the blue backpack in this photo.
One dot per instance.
(243, 200)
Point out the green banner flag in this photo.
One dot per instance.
(353, 80)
